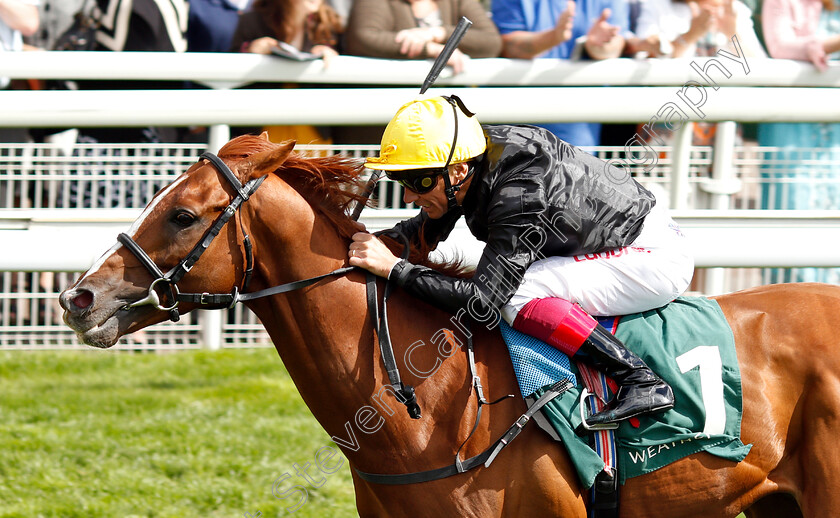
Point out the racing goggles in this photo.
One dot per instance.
(420, 181)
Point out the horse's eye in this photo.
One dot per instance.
(184, 219)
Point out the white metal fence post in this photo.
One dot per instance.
(211, 321)
(211, 329)
(722, 185)
(679, 168)
(217, 136)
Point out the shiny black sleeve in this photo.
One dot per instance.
(514, 229)
(434, 230)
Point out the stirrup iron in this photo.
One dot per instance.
(595, 427)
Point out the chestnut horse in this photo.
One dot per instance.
(785, 337)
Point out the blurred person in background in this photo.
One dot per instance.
(805, 172)
(414, 29)
(56, 17)
(140, 26)
(807, 30)
(698, 29)
(311, 27)
(418, 29)
(689, 29)
(18, 18)
(583, 29)
(211, 24)
(210, 28)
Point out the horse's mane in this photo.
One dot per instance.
(332, 185)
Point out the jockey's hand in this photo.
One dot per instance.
(368, 252)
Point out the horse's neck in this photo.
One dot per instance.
(310, 325)
(323, 335)
(320, 331)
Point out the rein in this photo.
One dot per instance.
(403, 393)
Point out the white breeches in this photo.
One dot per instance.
(654, 270)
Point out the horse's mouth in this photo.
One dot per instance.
(101, 332)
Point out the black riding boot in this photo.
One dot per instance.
(640, 391)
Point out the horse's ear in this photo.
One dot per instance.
(267, 161)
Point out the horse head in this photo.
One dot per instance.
(127, 289)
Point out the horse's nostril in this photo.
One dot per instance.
(83, 299)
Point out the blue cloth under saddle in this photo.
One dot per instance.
(535, 363)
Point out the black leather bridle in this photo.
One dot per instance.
(171, 278)
(216, 300)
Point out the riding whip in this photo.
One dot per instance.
(450, 46)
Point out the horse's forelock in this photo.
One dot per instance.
(245, 146)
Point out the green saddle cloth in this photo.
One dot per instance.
(689, 344)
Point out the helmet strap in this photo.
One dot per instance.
(450, 189)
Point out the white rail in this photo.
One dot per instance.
(225, 70)
(377, 105)
(68, 240)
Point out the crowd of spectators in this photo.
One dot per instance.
(417, 29)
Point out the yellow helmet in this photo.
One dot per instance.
(422, 133)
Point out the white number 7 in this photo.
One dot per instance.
(707, 357)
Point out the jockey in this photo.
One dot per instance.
(567, 235)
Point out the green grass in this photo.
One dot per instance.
(186, 434)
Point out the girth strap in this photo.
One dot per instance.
(486, 457)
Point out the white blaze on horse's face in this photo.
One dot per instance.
(151, 207)
(99, 262)
(134, 226)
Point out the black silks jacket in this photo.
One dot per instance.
(532, 196)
